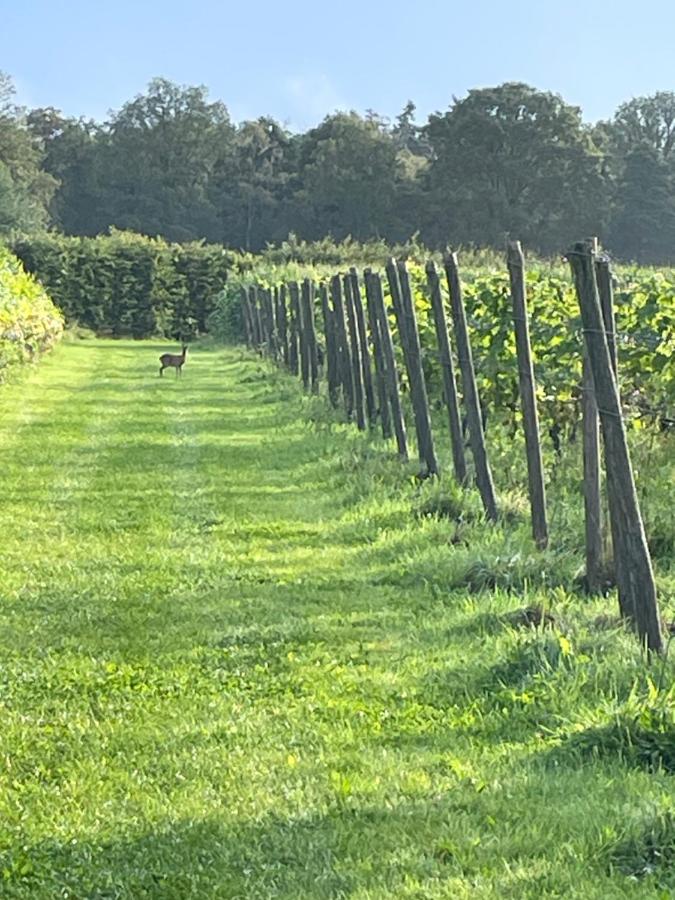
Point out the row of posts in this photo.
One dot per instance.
(358, 355)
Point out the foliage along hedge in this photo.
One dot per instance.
(129, 284)
(29, 322)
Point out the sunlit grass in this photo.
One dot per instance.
(240, 659)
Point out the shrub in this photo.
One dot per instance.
(29, 322)
(129, 284)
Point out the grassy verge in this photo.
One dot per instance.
(242, 656)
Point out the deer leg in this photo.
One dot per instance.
(161, 370)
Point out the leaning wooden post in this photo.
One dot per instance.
(390, 368)
(528, 396)
(345, 367)
(592, 471)
(302, 334)
(276, 313)
(399, 284)
(470, 389)
(637, 578)
(253, 319)
(366, 369)
(283, 325)
(380, 366)
(603, 276)
(262, 316)
(271, 325)
(357, 368)
(447, 368)
(331, 347)
(246, 318)
(294, 337)
(260, 333)
(310, 329)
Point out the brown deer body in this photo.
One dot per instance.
(173, 360)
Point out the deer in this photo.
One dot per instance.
(174, 360)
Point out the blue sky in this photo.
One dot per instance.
(300, 59)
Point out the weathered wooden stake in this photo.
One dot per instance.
(253, 319)
(638, 588)
(345, 366)
(310, 332)
(592, 489)
(528, 394)
(378, 353)
(246, 318)
(268, 309)
(301, 360)
(447, 368)
(257, 314)
(283, 325)
(470, 390)
(606, 292)
(390, 368)
(399, 284)
(357, 368)
(332, 361)
(366, 369)
(590, 423)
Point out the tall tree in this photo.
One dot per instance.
(643, 225)
(25, 189)
(646, 120)
(250, 185)
(158, 159)
(348, 172)
(513, 160)
(72, 150)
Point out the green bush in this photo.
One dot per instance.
(29, 322)
(129, 284)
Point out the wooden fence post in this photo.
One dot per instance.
(296, 306)
(253, 319)
(606, 292)
(262, 315)
(357, 368)
(283, 325)
(447, 369)
(366, 369)
(248, 331)
(636, 575)
(591, 468)
(271, 325)
(331, 347)
(528, 396)
(470, 390)
(345, 367)
(592, 490)
(257, 316)
(399, 284)
(310, 332)
(294, 340)
(378, 353)
(390, 368)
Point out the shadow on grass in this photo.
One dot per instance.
(347, 850)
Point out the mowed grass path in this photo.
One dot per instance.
(219, 678)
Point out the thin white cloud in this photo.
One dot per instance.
(311, 98)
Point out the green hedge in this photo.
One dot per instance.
(29, 322)
(128, 284)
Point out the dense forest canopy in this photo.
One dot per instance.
(507, 160)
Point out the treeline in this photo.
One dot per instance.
(509, 160)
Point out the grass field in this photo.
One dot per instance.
(234, 663)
